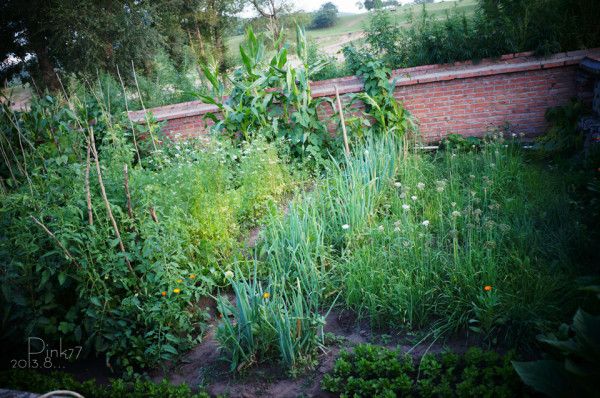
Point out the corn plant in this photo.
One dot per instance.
(270, 96)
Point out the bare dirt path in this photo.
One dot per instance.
(203, 368)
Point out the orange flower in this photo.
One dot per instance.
(164, 294)
(192, 276)
(176, 291)
(266, 295)
(487, 288)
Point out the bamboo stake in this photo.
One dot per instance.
(12, 174)
(126, 183)
(88, 195)
(143, 107)
(64, 249)
(107, 203)
(21, 170)
(341, 113)
(75, 148)
(153, 214)
(137, 150)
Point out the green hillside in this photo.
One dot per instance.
(350, 27)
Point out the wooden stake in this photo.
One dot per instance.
(137, 150)
(153, 214)
(88, 195)
(64, 249)
(107, 203)
(126, 184)
(143, 107)
(341, 112)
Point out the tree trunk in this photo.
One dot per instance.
(46, 69)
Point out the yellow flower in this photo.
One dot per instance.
(179, 280)
(266, 295)
(176, 291)
(192, 276)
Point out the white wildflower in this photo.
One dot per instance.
(228, 274)
(421, 186)
(456, 213)
(345, 226)
(406, 207)
(413, 197)
(425, 223)
(397, 184)
(380, 228)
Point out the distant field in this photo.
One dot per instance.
(351, 27)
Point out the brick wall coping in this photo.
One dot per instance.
(509, 63)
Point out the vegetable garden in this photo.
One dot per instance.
(117, 239)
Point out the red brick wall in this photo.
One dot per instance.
(476, 105)
(466, 98)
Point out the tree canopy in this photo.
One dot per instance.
(84, 36)
(326, 16)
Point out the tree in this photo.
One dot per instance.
(326, 16)
(207, 21)
(86, 36)
(78, 36)
(372, 4)
(272, 10)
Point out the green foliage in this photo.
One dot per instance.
(458, 143)
(88, 38)
(272, 99)
(380, 102)
(131, 295)
(411, 240)
(325, 16)
(332, 69)
(373, 371)
(277, 322)
(382, 36)
(573, 366)
(563, 137)
(28, 380)
(498, 27)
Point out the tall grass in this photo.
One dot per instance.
(479, 239)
